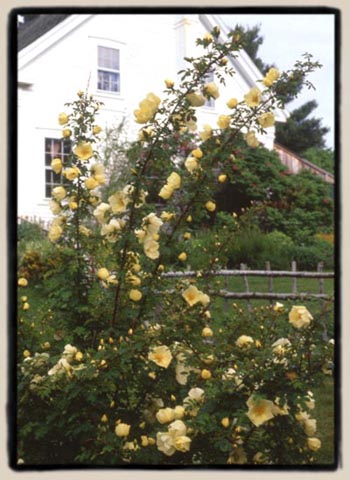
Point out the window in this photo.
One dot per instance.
(54, 148)
(108, 73)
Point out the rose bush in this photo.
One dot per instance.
(122, 365)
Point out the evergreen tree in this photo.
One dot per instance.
(300, 132)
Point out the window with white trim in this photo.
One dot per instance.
(108, 69)
(54, 148)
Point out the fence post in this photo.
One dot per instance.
(243, 266)
(294, 279)
(321, 281)
(226, 302)
(270, 279)
(321, 290)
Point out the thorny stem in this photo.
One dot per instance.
(139, 176)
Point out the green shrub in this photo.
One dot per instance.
(30, 231)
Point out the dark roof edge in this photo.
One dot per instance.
(27, 34)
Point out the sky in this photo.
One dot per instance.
(286, 38)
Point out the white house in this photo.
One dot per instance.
(120, 58)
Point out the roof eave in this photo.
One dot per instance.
(42, 43)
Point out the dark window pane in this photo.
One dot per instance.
(56, 177)
(67, 147)
(48, 159)
(108, 81)
(48, 177)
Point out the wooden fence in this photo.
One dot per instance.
(248, 295)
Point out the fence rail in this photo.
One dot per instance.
(249, 295)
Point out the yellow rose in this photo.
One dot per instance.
(300, 317)
(205, 374)
(197, 153)
(182, 443)
(271, 76)
(253, 97)
(208, 37)
(211, 90)
(122, 430)
(104, 418)
(192, 296)
(167, 216)
(278, 307)
(90, 183)
(118, 202)
(251, 139)
(222, 178)
(166, 192)
(314, 444)
(25, 306)
(56, 165)
(310, 427)
(260, 410)
(267, 119)
(84, 151)
(78, 356)
(96, 129)
(210, 206)
(187, 236)
(174, 180)
(100, 211)
(71, 173)
(134, 280)
(224, 121)
(73, 204)
(179, 412)
(55, 207)
(55, 233)
(232, 103)
(63, 118)
(151, 249)
(207, 332)
(206, 133)
(165, 443)
(182, 257)
(59, 193)
(66, 132)
(103, 273)
(281, 346)
(196, 99)
(225, 422)
(165, 415)
(22, 282)
(135, 295)
(26, 353)
(169, 83)
(144, 441)
(148, 108)
(191, 164)
(161, 356)
(243, 341)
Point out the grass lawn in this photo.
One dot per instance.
(324, 413)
